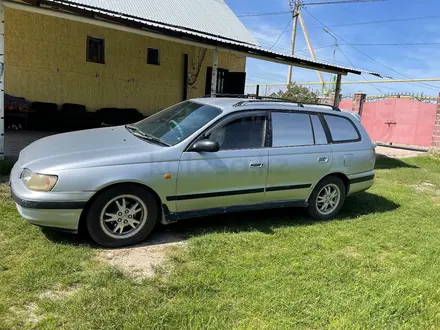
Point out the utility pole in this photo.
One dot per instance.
(294, 5)
(334, 50)
(309, 45)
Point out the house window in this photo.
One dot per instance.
(95, 50)
(153, 56)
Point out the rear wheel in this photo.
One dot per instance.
(122, 215)
(327, 198)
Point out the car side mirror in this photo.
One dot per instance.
(205, 146)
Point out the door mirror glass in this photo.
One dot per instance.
(205, 146)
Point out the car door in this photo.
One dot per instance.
(234, 175)
(299, 155)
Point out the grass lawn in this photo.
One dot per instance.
(376, 266)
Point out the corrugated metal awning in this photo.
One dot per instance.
(122, 16)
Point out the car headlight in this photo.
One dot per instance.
(37, 181)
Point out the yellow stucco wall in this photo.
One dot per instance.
(45, 60)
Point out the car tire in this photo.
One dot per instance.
(122, 215)
(323, 194)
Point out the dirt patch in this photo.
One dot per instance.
(425, 186)
(397, 153)
(29, 313)
(143, 261)
(349, 252)
(59, 294)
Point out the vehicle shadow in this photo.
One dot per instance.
(386, 163)
(268, 220)
(263, 221)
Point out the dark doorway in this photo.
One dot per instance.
(227, 82)
(234, 83)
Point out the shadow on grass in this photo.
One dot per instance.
(386, 163)
(263, 221)
(267, 220)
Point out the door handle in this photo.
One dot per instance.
(256, 164)
(322, 159)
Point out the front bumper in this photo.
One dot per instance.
(48, 209)
(60, 219)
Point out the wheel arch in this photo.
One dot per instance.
(82, 220)
(339, 175)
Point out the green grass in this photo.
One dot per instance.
(375, 266)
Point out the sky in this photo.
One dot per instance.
(418, 21)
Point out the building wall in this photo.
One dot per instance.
(46, 61)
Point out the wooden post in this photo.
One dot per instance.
(2, 80)
(292, 41)
(257, 92)
(338, 90)
(214, 73)
(185, 77)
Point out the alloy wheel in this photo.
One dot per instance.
(123, 216)
(328, 199)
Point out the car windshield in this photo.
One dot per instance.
(175, 124)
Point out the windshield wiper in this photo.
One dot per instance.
(149, 137)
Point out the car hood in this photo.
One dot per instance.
(89, 148)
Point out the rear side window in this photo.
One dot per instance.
(341, 129)
(291, 129)
(318, 130)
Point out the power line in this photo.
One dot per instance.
(376, 61)
(396, 44)
(264, 14)
(285, 48)
(279, 37)
(306, 4)
(380, 91)
(339, 2)
(381, 21)
(358, 23)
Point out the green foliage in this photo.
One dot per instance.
(327, 91)
(299, 93)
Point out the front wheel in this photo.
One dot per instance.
(122, 215)
(327, 198)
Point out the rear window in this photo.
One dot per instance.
(291, 129)
(341, 129)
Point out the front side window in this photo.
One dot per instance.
(341, 129)
(175, 124)
(291, 129)
(242, 133)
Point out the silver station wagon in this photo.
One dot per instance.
(197, 158)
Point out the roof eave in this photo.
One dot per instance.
(179, 35)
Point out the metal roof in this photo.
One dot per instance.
(213, 17)
(120, 12)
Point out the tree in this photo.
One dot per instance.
(331, 89)
(298, 93)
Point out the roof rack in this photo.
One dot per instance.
(252, 98)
